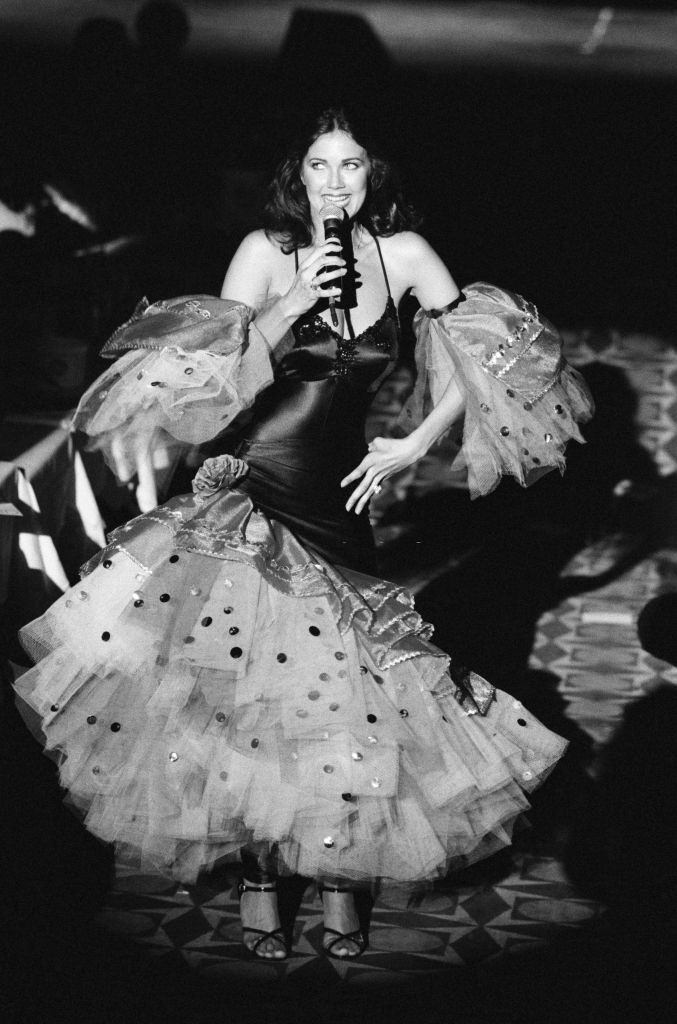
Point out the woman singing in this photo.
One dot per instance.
(231, 679)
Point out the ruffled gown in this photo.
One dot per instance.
(230, 669)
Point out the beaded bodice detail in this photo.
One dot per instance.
(382, 337)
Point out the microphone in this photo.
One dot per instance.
(332, 221)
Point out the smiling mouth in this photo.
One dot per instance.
(338, 200)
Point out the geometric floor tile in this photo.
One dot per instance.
(527, 907)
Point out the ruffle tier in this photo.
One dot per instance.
(210, 684)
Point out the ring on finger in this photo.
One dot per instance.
(376, 489)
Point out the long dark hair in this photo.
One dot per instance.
(385, 211)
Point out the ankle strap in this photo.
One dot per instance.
(243, 886)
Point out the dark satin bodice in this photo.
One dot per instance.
(324, 385)
(307, 433)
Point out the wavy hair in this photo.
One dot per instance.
(287, 218)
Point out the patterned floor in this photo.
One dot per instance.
(590, 641)
(445, 929)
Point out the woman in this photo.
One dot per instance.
(231, 677)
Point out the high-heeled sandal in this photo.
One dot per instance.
(276, 933)
(357, 936)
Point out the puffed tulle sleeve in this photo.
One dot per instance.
(185, 369)
(523, 402)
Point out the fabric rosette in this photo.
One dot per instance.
(216, 474)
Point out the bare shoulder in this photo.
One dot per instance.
(251, 269)
(420, 268)
(407, 246)
(257, 245)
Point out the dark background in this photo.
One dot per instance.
(553, 177)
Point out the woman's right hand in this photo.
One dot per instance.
(321, 264)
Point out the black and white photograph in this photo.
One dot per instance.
(338, 512)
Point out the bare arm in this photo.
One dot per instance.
(435, 288)
(427, 276)
(422, 270)
(389, 455)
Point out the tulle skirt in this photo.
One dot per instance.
(210, 684)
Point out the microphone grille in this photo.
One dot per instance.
(331, 212)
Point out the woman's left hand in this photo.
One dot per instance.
(386, 456)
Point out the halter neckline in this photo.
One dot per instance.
(390, 309)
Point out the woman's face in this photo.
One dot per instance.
(335, 170)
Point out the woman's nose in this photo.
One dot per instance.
(335, 177)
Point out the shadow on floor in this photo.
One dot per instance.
(621, 970)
